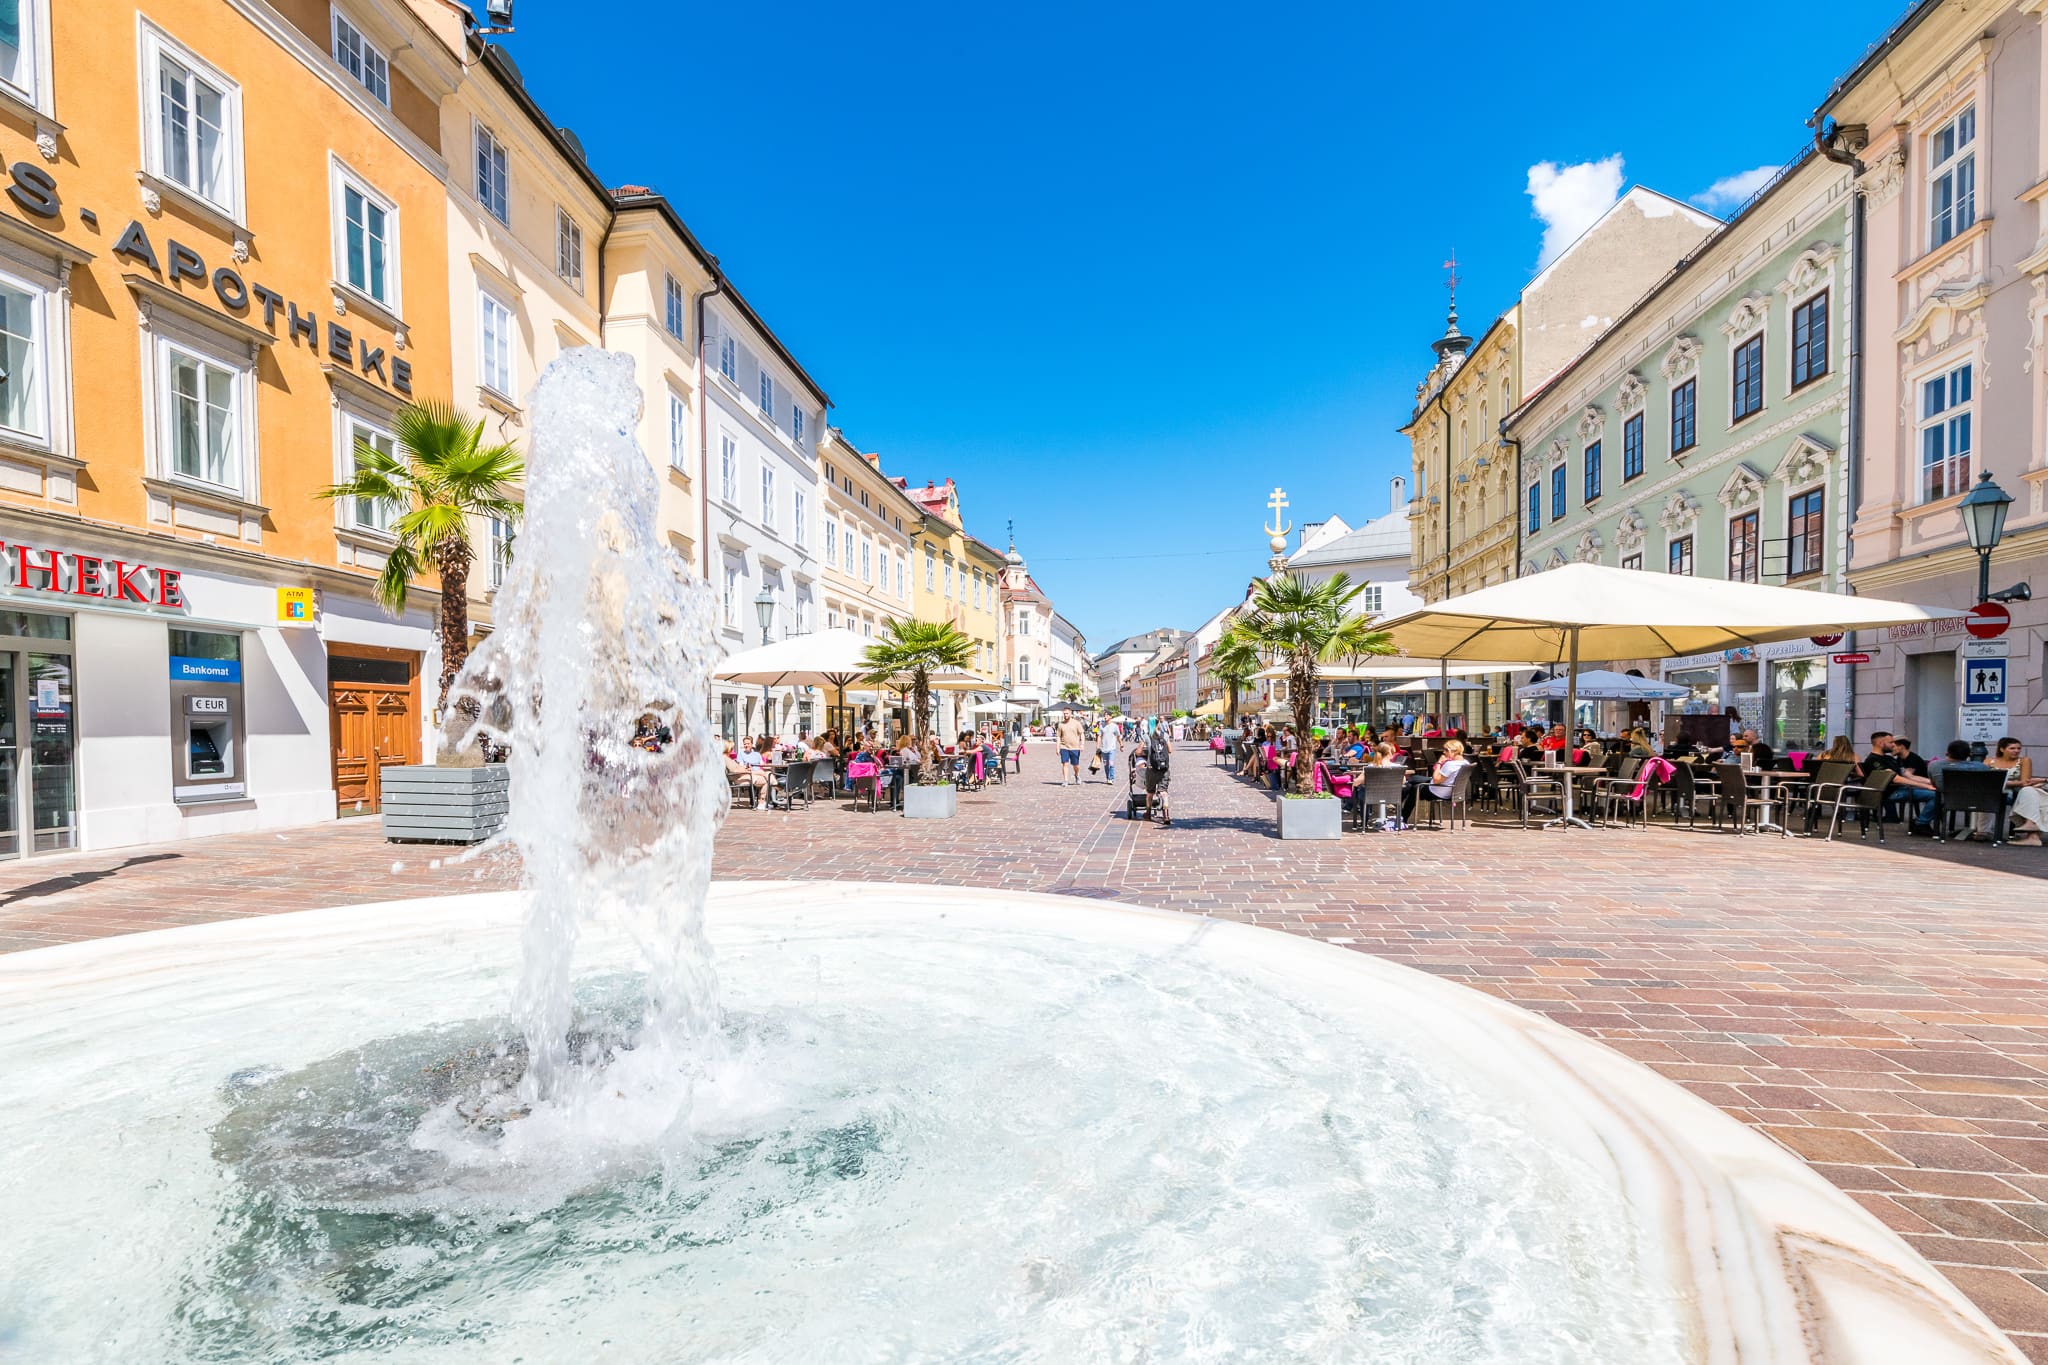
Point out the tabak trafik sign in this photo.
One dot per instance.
(34, 191)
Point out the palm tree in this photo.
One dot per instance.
(1235, 661)
(1070, 692)
(442, 475)
(909, 652)
(1308, 625)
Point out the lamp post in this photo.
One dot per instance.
(764, 612)
(1006, 705)
(1984, 512)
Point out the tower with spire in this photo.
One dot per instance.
(1453, 342)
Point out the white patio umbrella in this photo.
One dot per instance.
(1576, 609)
(1600, 684)
(1000, 708)
(823, 658)
(1426, 685)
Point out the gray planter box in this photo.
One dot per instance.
(1310, 817)
(426, 804)
(929, 803)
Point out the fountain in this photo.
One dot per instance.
(897, 1124)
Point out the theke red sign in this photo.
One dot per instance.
(75, 574)
(1988, 620)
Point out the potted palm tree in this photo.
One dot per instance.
(1306, 625)
(906, 656)
(437, 481)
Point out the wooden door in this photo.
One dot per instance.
(373, 715)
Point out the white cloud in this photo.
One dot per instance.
(1731, 191)
(1570, 199)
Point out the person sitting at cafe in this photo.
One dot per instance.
(1385, 755)
(748, 761)
(1913, 786)
(2023, 792)
(1438, 780)
(1554, 740)
(1590, 753)
(1639, 745)
(1843, 751)
(1761, 755)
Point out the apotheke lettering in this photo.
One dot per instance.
(34, 191)
(74, 574)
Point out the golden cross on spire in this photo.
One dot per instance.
(1278, 502)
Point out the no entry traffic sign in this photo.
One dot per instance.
(1988, 620)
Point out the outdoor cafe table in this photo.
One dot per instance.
(1570, 802)
(1767, 794)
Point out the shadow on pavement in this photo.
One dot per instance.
(71, 881)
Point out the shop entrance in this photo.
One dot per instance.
(38, 735)
(374, 717)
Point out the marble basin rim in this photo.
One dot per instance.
(1777, 1265)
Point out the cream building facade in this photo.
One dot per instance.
(867, 531)
(1027, 634)
(1947, 128)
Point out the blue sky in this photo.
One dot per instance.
(1119, 269)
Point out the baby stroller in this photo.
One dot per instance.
(1138, 803)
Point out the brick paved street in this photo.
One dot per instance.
(1883, 1013)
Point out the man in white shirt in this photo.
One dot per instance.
(1106, 741)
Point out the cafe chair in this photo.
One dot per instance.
(1969, 792)
(1866, 803)
(867, 781)
(742, 785)
(1830, 775)
(1732, 795)
(1458, 802)
(791, 784)
(1531, 789)
(1377, 790)
(1618, 785)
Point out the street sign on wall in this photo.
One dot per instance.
(1981, 724)
(1988, 620)
(1984, 682)
(1856, 658)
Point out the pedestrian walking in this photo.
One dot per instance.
(1071, 736)
(1105, 747)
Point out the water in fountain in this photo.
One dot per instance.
(593, 678)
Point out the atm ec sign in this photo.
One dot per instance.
(295, 606)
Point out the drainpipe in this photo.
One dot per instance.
(1824, 140)
(704, 422)
(1444, 494)
(1514, 565)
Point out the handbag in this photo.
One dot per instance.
(1094, 765)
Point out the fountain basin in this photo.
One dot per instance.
(954, 1124)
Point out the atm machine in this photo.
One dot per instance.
(206, 730)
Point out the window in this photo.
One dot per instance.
(202, 415)
(672, 306)
(863, 497)
(728, 468)
(1803, 528)
(1557, 493)
(902, 593)
(568, 249)
(803, 627)
(1945, 405)
(729, 358)
(22, 402)
(1680, 556)
(1952, 181)
(1747, 390)
(198, 125)
(800, 521)
(931, 570)
(730, 602)
(359, 58)
(494, 360)
(1024, 670)
(1742, 549)
(796, 429)
(1592, 489)
(367, 236)
(21, 24)
(1632, 448)
(364, 440)
(1024, 623)
(1535, 505)
(1810, 340)
(867, 560)
(501, 549)
(1684, 416)
(1372, 599)
(832, 543)
(949, 579)
(767, 394)
(1634, 561)
(493, 180)
(678, 433)
(767, 495)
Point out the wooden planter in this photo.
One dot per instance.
(1310, 817)
(930, 803)
(426, 804)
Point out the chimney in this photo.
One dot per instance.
(1400, 493)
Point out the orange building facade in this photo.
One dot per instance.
(223, 261)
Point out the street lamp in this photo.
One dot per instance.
(1008, 724)
(1984, 520)
(764, 612)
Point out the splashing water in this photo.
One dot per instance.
(593, 679)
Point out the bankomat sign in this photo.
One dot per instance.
(73, 573)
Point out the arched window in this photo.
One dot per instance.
(1485, 428)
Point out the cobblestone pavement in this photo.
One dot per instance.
(1881, 1012)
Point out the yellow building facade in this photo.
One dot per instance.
(956, 578)
(1462, 515)
(223, 260)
